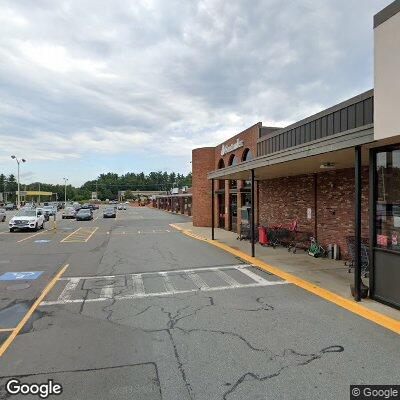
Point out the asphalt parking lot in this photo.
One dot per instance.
(136, 310)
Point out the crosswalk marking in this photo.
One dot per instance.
(197, 280)
(138, 284)
(136, 287)
(169, 286)
(69, 288)
(107, 292)
(228, 279)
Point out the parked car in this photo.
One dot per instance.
(84, 214)
(121, 206)
(68, 212)
(50, 210)
(10, 206)
(87, 206)
(27, 219)
(3, 214)
(110, 212)
(46, 216)
(95, 206)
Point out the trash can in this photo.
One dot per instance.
(262, 235)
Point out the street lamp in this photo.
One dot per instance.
(18, 162)
(65, 191)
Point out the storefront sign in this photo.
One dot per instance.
(227, 149)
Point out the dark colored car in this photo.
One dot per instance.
(95, 206)
(110, 212)
(84, 214)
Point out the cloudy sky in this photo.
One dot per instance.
(93, 86)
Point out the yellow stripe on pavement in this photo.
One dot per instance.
(81, 235)
(26, 317)
(352, 306)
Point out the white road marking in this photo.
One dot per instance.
(250, 274)
(169, 286)
(71, 286)
(138, 284)
(107, 291)
(197, 280)
(228, 279)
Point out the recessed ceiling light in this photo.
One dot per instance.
(327, 165)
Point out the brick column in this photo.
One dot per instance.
(203, 160)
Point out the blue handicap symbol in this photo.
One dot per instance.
(23, 275)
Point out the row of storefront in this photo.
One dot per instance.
(337, 173)
(180, 203)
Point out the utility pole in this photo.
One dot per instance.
(18, 193)
(65, 191)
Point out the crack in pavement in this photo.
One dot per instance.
(310, 358)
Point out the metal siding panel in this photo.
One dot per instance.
(289, 139)
(308, 132)
(351, 110)
(336, 122)
(318, 133)
(302, 134)
(330, 124)
(368, 111)
(285, 140)
(359, 114)
(343, 120)
(298, 140)
(324, 129)
(293, 133)
(312, 130)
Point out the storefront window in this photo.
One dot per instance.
(388, 199)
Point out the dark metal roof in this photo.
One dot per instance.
(387, 13)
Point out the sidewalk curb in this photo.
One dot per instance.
(352, 306)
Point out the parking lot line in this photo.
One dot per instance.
(29, 237)
(62, 240)
(95, 229)
(6, 344)
(6, 329)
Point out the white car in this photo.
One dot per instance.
(27, 219)
(121, 207)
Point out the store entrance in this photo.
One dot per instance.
(386, 240)
(221, 211)
(233, 212)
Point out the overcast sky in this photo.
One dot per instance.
(94, 86)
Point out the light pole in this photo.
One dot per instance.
(18, 162)
(65, 191)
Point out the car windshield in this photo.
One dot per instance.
(84, 211)
(48, 207)
(109, 209)
(27, 213)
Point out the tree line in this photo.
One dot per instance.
(106, 185)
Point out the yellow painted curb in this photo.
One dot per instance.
(352, 306)
(26, 317)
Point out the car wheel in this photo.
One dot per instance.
(42, 225)
(36, 227)
(11, 230)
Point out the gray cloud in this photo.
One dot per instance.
(167, 76)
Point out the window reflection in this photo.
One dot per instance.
(388, 199)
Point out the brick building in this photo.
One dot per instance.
(336, 172)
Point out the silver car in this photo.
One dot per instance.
(3, 214)
(68, 212)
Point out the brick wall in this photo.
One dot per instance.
(284, 199)
(202, 162)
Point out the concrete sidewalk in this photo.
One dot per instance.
(328, 274)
